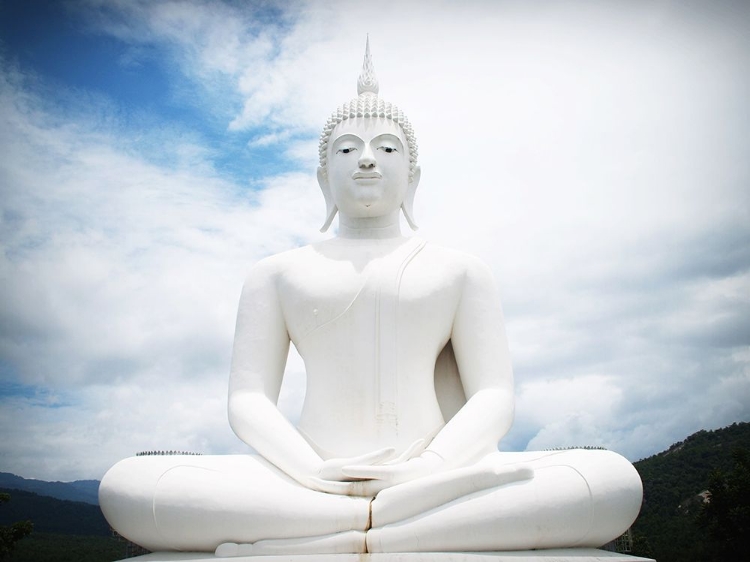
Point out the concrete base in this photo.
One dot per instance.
(552, 555)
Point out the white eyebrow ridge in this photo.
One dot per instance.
(347, 137)
(389, 136)
(382, 136)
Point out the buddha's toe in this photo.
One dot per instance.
(227, 550)
(231, 549)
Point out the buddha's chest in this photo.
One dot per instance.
(402, 291)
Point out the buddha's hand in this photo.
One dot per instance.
(392, 473)
(333, 477)
(332, 469)
(330, 475)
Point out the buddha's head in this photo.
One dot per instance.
(368, 155)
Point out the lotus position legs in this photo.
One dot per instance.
(501, 503)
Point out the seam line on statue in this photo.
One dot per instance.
(324, 324)
(399, 276)
(369, 517)
(387, 344)
(590, 525)
(156, 487)
(421, 244)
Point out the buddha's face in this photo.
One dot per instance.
(368, 167)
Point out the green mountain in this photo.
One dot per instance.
(51, 515)
(675, 483)
(64, 531)
(79, 491)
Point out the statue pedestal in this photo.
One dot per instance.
(552, 555)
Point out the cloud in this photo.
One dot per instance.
(593, 155)
(120, 285)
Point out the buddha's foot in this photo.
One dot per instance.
(346, 542)
(230, 549)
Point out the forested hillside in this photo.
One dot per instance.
(79, 491)
(64, 531)
(51, 515)
(670, 527)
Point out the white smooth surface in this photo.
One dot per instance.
(378, 319)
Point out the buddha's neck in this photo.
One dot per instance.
(378, 228)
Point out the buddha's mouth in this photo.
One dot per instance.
(367, 175)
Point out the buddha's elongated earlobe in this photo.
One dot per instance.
(408, 204)
(331, 208)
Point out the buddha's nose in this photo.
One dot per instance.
(367, 160)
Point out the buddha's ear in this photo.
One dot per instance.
(408, 205)
(331, 208)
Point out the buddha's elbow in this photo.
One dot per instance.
(242, 405)
(498, 405)
(236, 405)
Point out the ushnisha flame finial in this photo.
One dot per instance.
(367, 81)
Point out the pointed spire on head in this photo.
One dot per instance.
(367, 81)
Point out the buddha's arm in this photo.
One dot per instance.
(261, 346)
(481, 349)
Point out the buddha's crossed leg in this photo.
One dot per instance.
(569, 498)
(508, 501)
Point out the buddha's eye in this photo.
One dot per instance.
(387, 149)
(345, 150)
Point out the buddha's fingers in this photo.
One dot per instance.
(375, 457)
(368, 472)
(232, 549)
(331, 468)
(412, 450)
(419, 496)
(392, 474)
(364, 488)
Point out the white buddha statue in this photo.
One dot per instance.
(409, 390)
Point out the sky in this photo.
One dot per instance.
(594, 154)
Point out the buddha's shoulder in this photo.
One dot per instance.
(454, 259)
(321, 254)
(276, 264)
